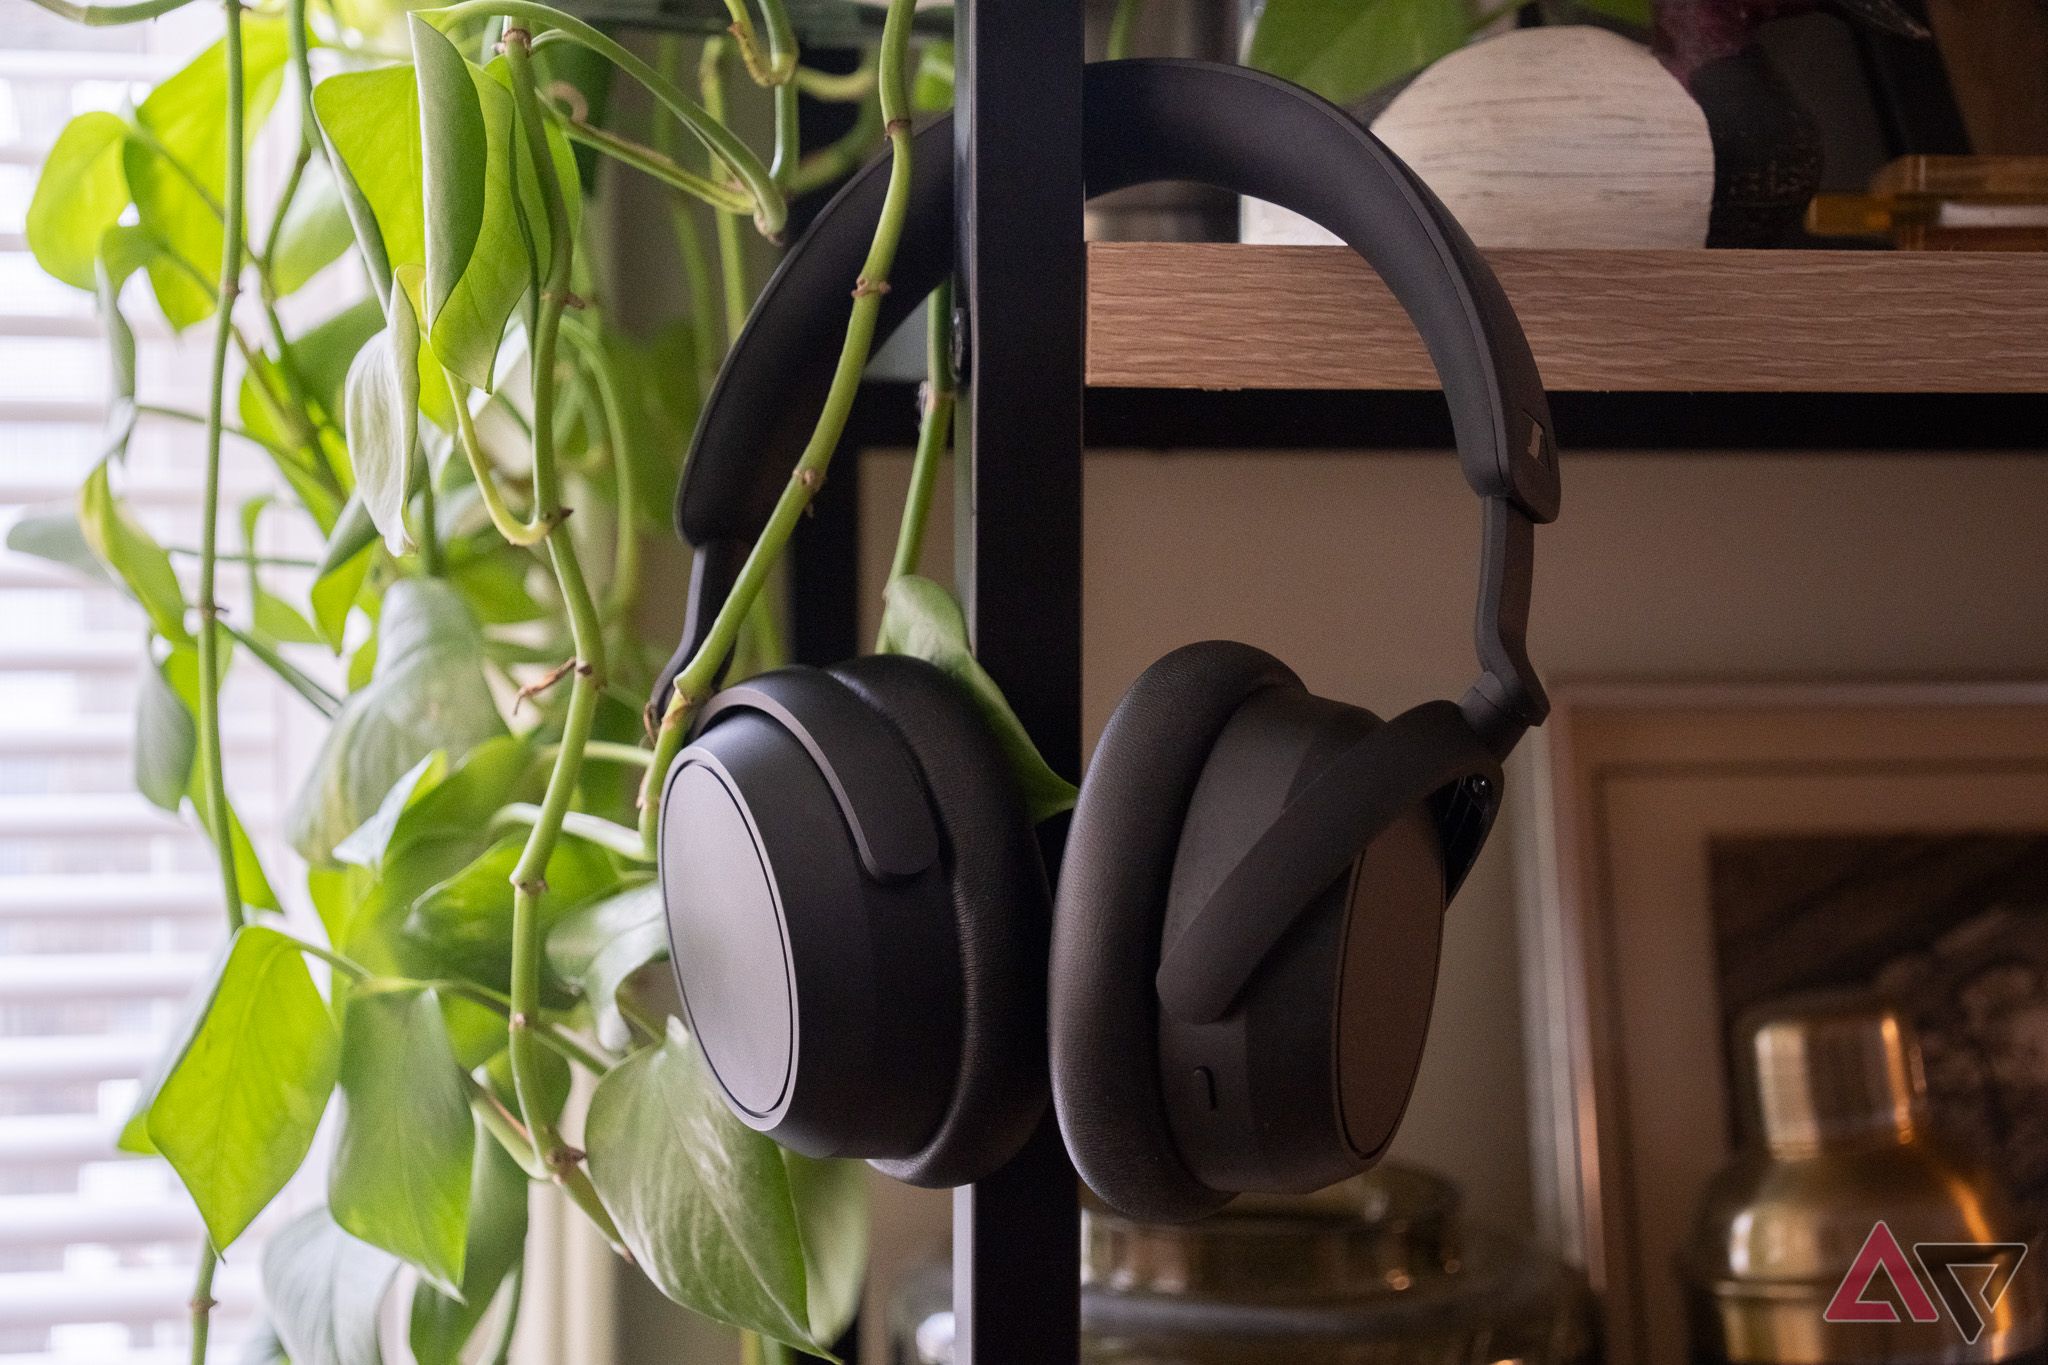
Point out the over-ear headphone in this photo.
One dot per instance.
(1234, 987)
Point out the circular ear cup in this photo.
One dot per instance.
(1003, 911)
(1113, 888)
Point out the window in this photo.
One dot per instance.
(109, 909)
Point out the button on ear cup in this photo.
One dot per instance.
(1003, 909)
(1106, 931)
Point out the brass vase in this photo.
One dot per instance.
(1840, 1139)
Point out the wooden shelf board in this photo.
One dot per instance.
(1226, 316)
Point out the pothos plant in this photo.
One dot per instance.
(477, 826)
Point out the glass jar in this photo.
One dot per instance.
(1377, 1270)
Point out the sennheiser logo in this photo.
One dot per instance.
(1969, 1277)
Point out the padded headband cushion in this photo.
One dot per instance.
(1112, 907)
(1002, 909)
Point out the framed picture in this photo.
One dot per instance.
(1694, 851)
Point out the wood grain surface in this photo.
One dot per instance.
(1228, 316)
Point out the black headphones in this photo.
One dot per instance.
(1235, 982)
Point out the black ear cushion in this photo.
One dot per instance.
(1106, 931)
(1003, 909)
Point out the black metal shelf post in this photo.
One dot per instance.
(1016, 1235)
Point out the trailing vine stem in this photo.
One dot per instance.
(213, 783)
(202, 1302)
(693, 685)
(529, 875)
(774, 69)
(212, 777)
(625, 581)
(771, 209)
(704, 348)
(834, 87)
(732, 259)
(843, 155)
(648, 161)
(515, 532)
(934, 432)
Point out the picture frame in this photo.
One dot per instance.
(1632, 789)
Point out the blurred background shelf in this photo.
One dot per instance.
(1225, 316)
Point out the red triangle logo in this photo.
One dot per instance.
(1881, 1252)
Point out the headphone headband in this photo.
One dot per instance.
(1152, 120)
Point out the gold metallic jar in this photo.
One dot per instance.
(1378, 1270)
(1839, 1138)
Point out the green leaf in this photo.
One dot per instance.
(280, 620)
(831, 1200)
(382, 408)
(325, 1290)
(122, 544)
(166, 738)
(273, 618)
(659, 413)
(1346, 49)
(362, 664)
(81, 193)
(491, 577)
(124, 249)
(401, 1175)
(366, 844)
(134, 1135)
(702, 1200)
(54, 534)
(463, 926)
(553, 1079)
(237, 1112)
(599, 946)
(442, 1325)
(323, 353)
(250, 878)
(460, 805)
(444, 824)
(181, 671)
(372, 118)
(177, 163)
(427, 692)
(316, 231)
(457, 166)
(338, 580)
(931, 89)
(920, 618)
(107, 16)
(480, 165)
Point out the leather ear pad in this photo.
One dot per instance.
(1114, 880)
(1003, 911)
